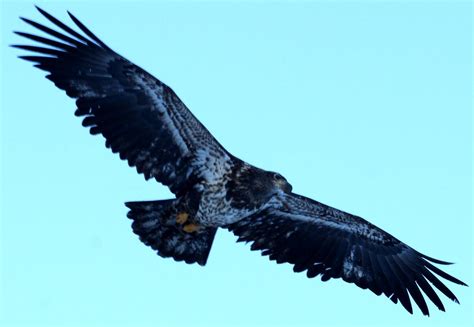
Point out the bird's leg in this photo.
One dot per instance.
(182, 217)
(191, 228)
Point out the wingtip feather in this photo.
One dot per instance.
(87, 31)
(42, 11)
(431, 259)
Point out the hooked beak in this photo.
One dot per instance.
(285, 186)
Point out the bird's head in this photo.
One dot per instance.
(280, 182)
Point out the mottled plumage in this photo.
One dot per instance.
(144, 121)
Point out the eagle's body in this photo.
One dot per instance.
(144, 121)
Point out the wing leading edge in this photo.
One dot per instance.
(328, 242)
(140, 117)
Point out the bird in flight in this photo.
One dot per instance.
(145, 122)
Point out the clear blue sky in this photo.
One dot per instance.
(366, 106)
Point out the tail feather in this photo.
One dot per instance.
(155, 223)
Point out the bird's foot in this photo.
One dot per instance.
(191, 228)
(182, 217)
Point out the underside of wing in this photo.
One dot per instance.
(140, 117)
(324, 241)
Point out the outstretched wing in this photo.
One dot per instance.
(140, 117)
(334, 244)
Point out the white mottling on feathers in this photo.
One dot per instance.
(155, 92)
(167, 168)
(189, 172)
(198, 187)
(350, 268)
(349, 263)
(215, 210)
(181, 247)
(148, 207)
(212, 167)
(172, 242)
(84, 89)
(314, 215)
(150, 223)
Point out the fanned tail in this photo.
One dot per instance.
(155, 223)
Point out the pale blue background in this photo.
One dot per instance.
(365, 106)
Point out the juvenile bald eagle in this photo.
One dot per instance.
(144, 121)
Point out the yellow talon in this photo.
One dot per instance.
(182, 217)
(191, 228)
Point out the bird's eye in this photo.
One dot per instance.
(277, 177)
